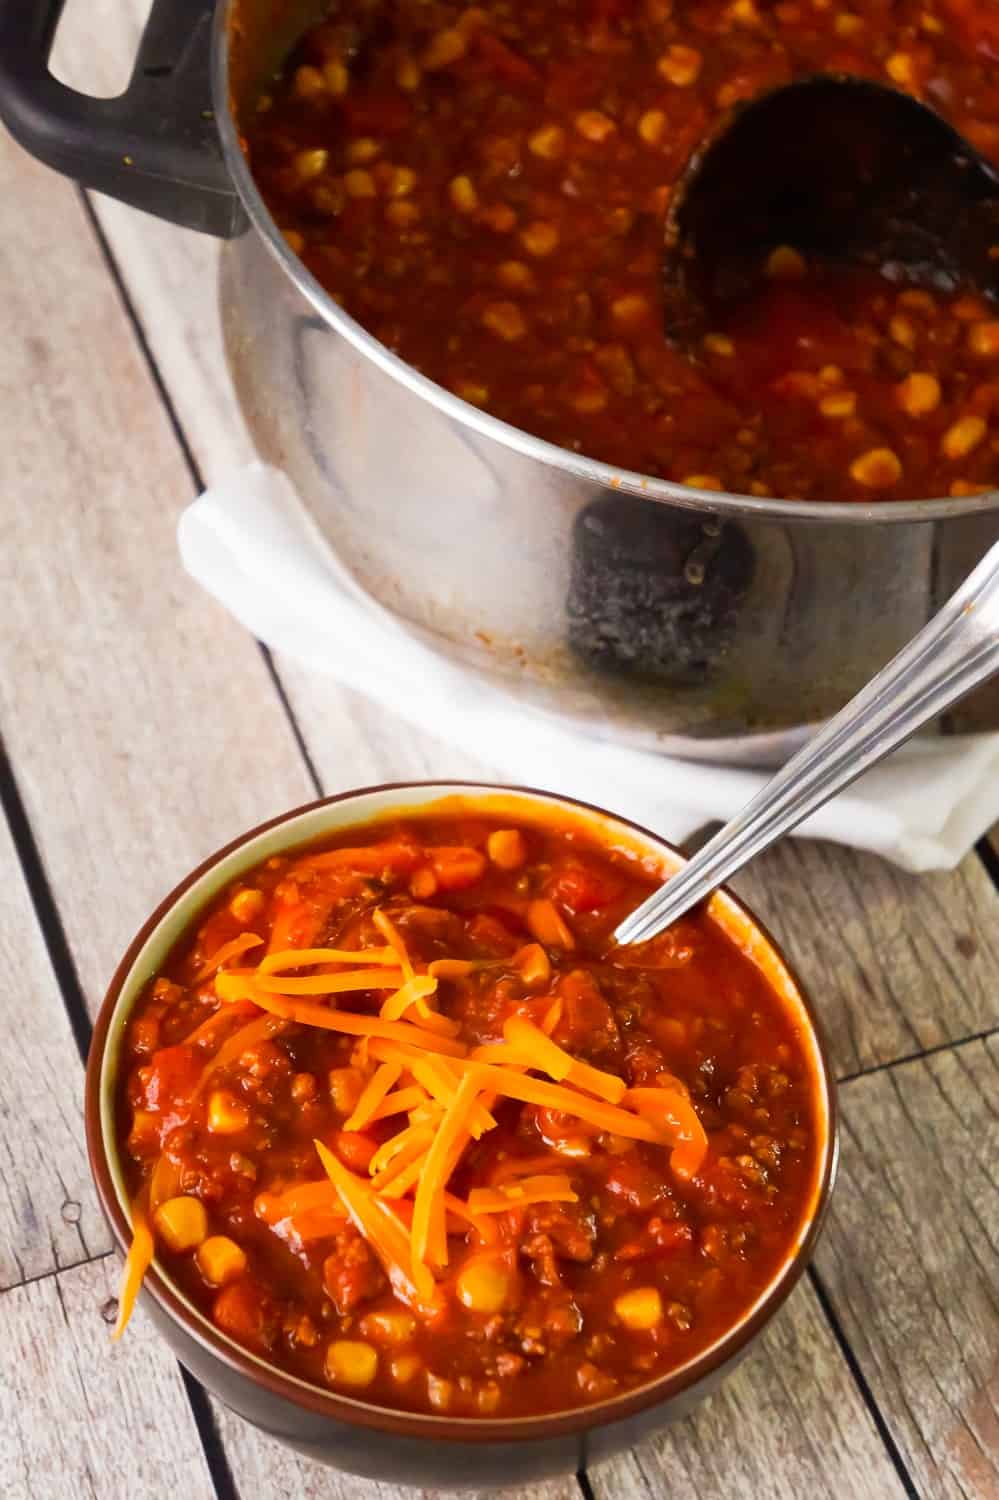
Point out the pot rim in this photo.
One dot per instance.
(477, 1430)
(587, 470)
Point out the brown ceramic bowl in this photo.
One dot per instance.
(354, 1435)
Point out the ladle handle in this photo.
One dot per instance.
(156, 145)
(950, 656)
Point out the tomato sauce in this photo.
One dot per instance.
(589, 1249)
(485, 189)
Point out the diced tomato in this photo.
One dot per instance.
(377, 114)
(503, 61)
(172, 1077)
(244, 1311)
(633, 1182)
(659, 1239)
(582, 887)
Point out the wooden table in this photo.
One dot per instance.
(143, 728)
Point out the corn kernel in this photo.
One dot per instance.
(463, 195)
(652, 126)
(402, 182)
(445, 48)
(631, 308)
(830, 375)
(402, 212)
(408, 76)
(181, 1223)
(294, 240)
(349, 1362)
(901, 69)
(227, 1115)
(786, 264)
(304, 1087)
(505, 319)
(515, 275)
(363, 149)
(389, 1327)
(309, 82)
(483, 1286)
(877, 469)
(968, 309)
(405, 1367)
(359, 183)
(336, 76)
(903, 331)
(487, 1398)
(592, 397)
(846, 24)
(838, 404)
(680, 65)
(962, 437)
(439, 1392)
(220, 1259)
(702, 481)
(506, 848)
(246, 906)
(963, 487)
(545, 923)
(548, 142)
(641, 1309)
(983, 339)
(594, 125)
(310, 164)
(533, 965)
(918, 394)
(719, 343)
(743, 13)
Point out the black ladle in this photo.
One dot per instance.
(838, 168)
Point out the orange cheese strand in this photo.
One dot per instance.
(232, 949)
(483, 1227)
(671, 1110)
(393, 937)
(413, 990)
(382, 1230)
(442, 1085)
(327, 984)
(398, 1154)
(549, 1057)
(302, 1198)
(555, 1096)
(554, 1189)
(240, 987)
(137, 1262)
(299, 958)
(405, 1178)
(384, 1078)
(428, 1209)
(399, 1103)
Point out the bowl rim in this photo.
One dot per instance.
(367, 1415)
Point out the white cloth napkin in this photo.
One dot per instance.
(250, 543)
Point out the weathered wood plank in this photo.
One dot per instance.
(910, 1259)
(81, 1420)
(141, 721)
(789, 1423)
(48, 1209)
(895, 963)
(262, 1467)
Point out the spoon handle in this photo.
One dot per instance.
(956, 651)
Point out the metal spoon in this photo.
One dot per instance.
(950, 656)
(840, 168)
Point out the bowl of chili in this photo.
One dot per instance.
(423, 1176)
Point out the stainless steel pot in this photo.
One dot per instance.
(711, 625)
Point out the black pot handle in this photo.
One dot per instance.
(155, 146)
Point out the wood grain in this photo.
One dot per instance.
(81, 1419)
(48, 1209)
(895, 963)
(141, 720)
(262, 1467)
(789, 1423)
(910, 1260)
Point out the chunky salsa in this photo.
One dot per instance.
(400, 1117)
(484, 187)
